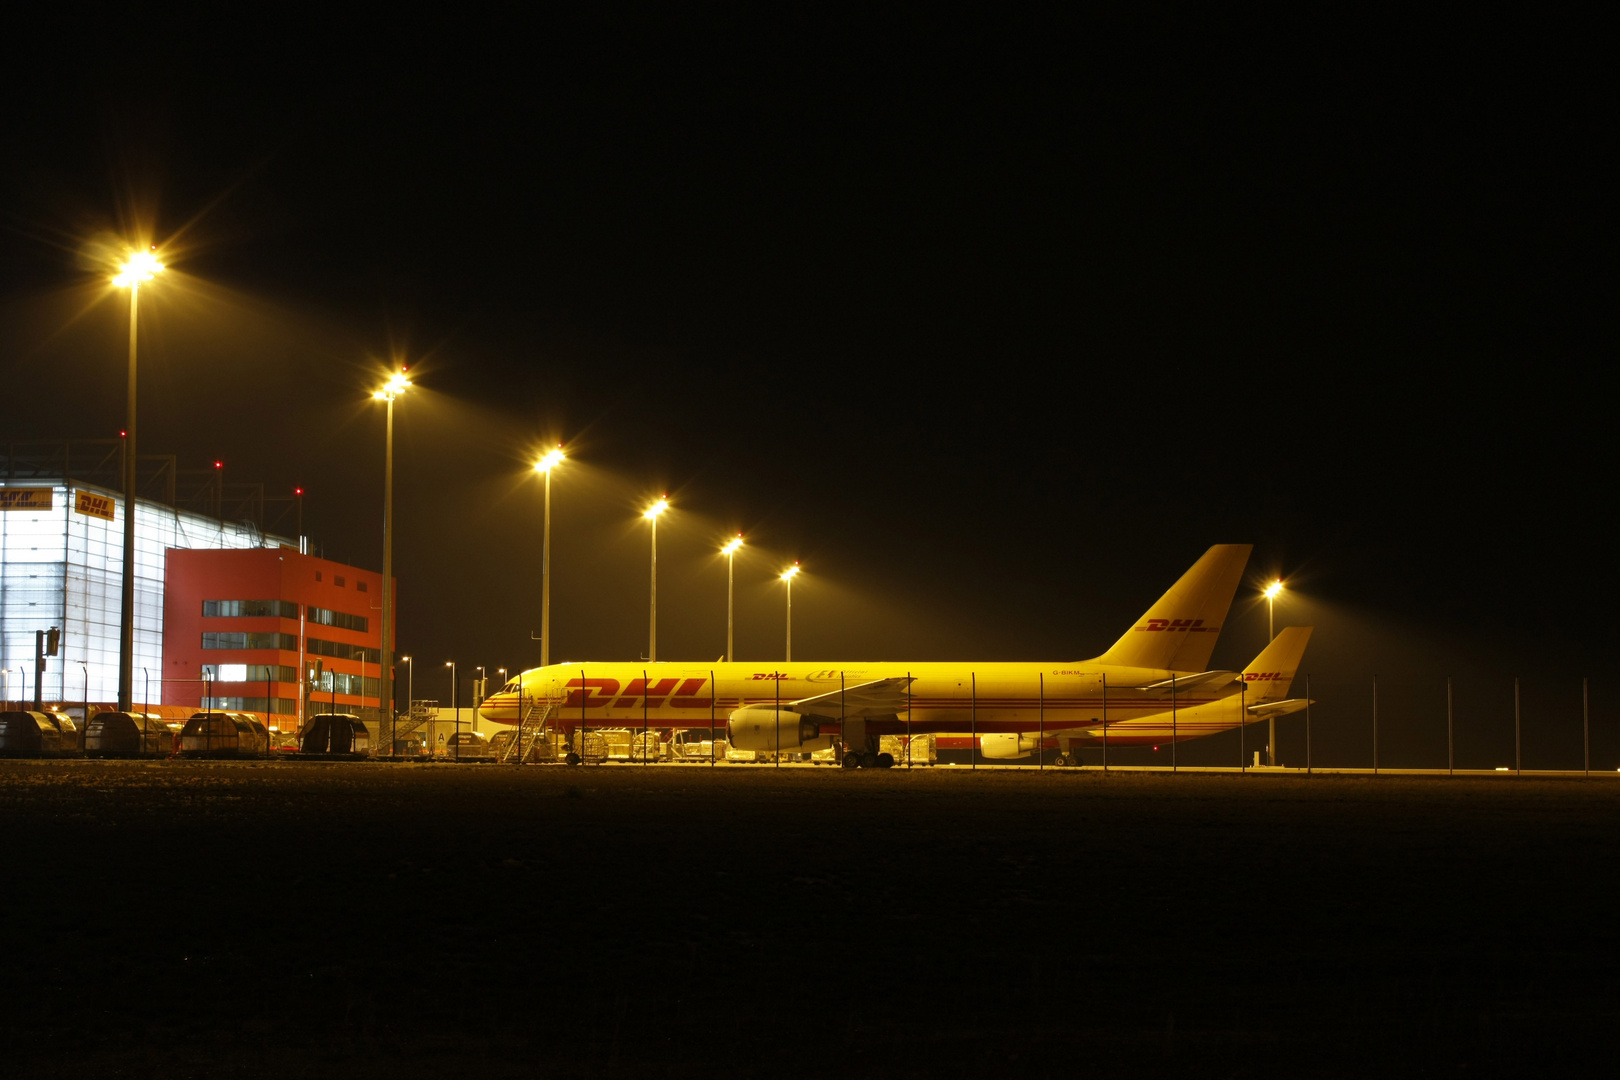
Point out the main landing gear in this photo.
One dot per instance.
(865, 759)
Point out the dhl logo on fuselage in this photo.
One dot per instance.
(605, 693)
(1265, 676)
(1184, 626)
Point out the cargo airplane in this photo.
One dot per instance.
(1153, 686)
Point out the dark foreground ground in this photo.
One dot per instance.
(285, 920)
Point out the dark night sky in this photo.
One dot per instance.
(996, 322)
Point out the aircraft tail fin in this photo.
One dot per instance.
(1178, 632)
(1271, 673)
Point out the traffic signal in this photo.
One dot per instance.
(53, 637)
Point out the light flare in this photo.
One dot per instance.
(140, 266)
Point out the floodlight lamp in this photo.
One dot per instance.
(732, 545)
(397, 384)
(655, 509)
(1273, 589)
(790, 572)
(140, 266)
(552, 459)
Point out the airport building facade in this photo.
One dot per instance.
(245, 630)
(226, 615)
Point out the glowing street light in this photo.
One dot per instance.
(730, 552)
(553, 458)
(456, 706)
(397, 384)
(410, 682)
(787, 577)
(651, 514)
(1271, 598)
(1270, 594)
(140, 267)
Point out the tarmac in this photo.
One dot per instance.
(258, 919)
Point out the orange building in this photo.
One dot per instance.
(248, 629)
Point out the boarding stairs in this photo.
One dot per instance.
(420, 713)
(534, 728)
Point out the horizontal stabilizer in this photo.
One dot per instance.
(1272, 709)
(1182, 684)
(881, 697)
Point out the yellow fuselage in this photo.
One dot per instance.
(1054, 698)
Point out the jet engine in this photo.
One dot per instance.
(761, 727)
(1004, 745)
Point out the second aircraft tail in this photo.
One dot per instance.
(1271, 673)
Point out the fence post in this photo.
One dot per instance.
(1174, 731)
(1518, 761)
(1307, 725)
(1451, 736)
(1586, 729)
(1105, 721)
(1375, 725)
(908, 719)
(1040, 743)
(973, 688)
(711, 718)
(1243, 714)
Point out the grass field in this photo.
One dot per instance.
(284, 920)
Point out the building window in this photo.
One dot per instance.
(238, 640)
(214, 609)
(360, 585)
(250, 672)
(342, 650)
(328, 617)
(338, 581)
(352, 685)
(285, 706)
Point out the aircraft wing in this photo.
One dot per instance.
(1202, 681)
(881, 697)
(1278, 708)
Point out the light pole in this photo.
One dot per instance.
(396, 385)
(141, 266)
(544, 466)
(1271, 633)
(730, 552)
(787, 576)
(651, 514)
(451, 664)
(410, 682)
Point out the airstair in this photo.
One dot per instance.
(533, 741)
(421, 712)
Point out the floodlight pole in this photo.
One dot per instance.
(126, 622)
(545, 583)
(1271, 635)
(652, 611)
(731, 586)
(385, 683)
